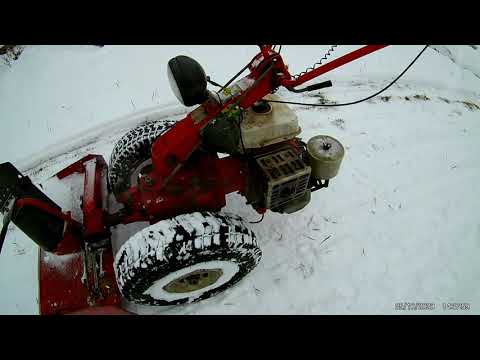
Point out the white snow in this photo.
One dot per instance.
(398, 224)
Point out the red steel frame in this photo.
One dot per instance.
(182, 180)
(93, 166)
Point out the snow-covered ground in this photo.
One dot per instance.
(399, 223)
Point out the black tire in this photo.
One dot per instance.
(173, 248)
(132, 150)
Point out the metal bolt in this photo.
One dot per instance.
(148, 180)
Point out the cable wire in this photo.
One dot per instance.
(235, 76)
(256, 222)
(357, 101)
(213, 82)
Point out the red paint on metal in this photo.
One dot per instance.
(265, 49)
(75, 167)
(354, 55)
(232, 172)
(41, 205)
(71, 241)
(175, 146)
(93, 167)
(199, 185)
(263, 88)
(61, 288)
(92, 207)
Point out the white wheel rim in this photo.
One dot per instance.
(134, 177)
(158, 292)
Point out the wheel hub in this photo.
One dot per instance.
(193, 281)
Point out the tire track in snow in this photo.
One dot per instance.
(72, 147)
(445, 51)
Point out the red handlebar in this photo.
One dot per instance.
(354, 55)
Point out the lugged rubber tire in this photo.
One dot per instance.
(177, 245)
(131, 150)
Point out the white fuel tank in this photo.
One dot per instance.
(278, 124)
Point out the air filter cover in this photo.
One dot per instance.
(326, 154)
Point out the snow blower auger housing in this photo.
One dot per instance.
(169, 175)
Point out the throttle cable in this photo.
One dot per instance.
(357, 101)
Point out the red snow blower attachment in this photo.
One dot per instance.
(75, 258)
(149, 229)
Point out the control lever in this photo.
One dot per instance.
(321, 85)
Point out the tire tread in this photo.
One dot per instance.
(181, 240)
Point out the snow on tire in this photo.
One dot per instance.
(184, 259)
(133, 150)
